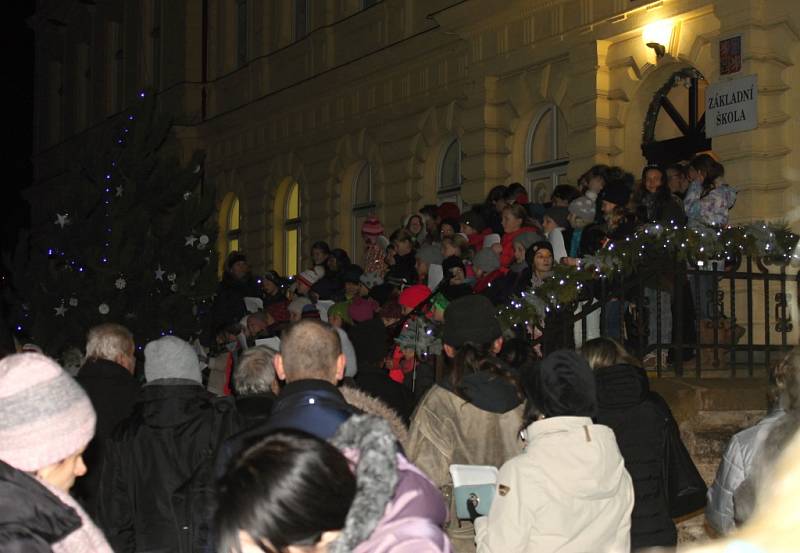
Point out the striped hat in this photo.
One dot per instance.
(372, 226)
(45, 416)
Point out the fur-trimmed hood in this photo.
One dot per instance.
(374, 406)
(396, 507)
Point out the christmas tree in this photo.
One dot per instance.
(129, 240)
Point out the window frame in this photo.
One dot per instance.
(450, 193)
(299, 34)
(292, 224)
(361, 209)
(233, 234)
(554, 167)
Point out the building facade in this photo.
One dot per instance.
(316, 113)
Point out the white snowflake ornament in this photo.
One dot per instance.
(121, 283)
(73, 302)
(103, 308)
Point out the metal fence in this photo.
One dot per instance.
(726, 319)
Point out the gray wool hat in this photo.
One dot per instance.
(171, 357)
(430, 254)
(527, 239)
(486, 260)
(583, 208)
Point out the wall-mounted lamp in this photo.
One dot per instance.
(656, 35)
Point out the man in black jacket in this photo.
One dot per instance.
(107, 378)
(157, 483)
(311, 362)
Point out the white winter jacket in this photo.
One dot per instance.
(734, 469)
(568, 492)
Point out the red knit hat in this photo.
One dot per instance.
(448, 210)
(414, 295)
(372, 226)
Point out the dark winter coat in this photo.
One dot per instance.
(31, 517)
(113, 392)
(313, 406)
(254, 409)
(488, 391)
(404, 269)
(660, 207)
(228, 306)
(157, 483)
(639, 420)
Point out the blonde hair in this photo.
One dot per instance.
(784, 382)
(605, 352)
(108, 341)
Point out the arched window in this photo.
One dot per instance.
(291, 230)
(546, 151)
(232, 230)
(449, 186)
(363, 205)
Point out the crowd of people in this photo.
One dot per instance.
(324, 412)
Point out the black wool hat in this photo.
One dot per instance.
(470, 319)
(530, 253)
(474, 220)
(233, 258)
(559, 215)
(563, 385)
(352, 273)
(452, 262)
(616, 192)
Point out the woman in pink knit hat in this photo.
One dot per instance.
(46, 421)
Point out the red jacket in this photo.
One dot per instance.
(487, 279)
(507, 257)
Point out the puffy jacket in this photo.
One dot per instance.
(156, 488)
(406, 517)
(640, 425)
(113, 392)
(711, 209)
(447, 429)
(568, 492)
(507, 241)
(734, 468)
(38, 519)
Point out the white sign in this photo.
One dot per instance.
(731, 106)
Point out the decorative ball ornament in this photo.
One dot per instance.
(103, 308)
(73, 302)
(203, 240)
(174, 287)
(120, 283)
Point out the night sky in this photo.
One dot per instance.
(18, 44)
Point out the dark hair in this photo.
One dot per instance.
(521, 213)
(473, 358)
(565, 192)
(321, 245)
(288, 489)
(513, 190)
(516, 351)
(340, 257)
(401, 235)
(594, 171)
(679, 168)
(710, 168)
(496, 193)
(662, 193)
(431, 210)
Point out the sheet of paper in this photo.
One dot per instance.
(322, 307)
(435, 275)
(253, 304)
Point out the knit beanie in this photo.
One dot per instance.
(583, 208)
(233, 258)
(361, 309)
(372, 226)
(448, 210)
(530, 253)
(617, 193)
(454, 224)
(430, 254)
(171, 357)
(473, 219)
(527, 239)
(452, 262)
(311, 276)
(486, 260)
(412, 296)
(558, 214)
(563, 385)
(491, 240)
(339, 310)
(470, 319)
(45, 416)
